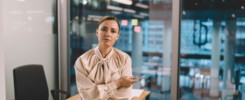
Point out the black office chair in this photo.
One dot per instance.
(30, 84)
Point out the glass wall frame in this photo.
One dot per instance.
(64, 38)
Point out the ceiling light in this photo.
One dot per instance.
(85, 2)
(141, 5)
(242, 7)
(95, 16)
(114, 8)
(233, 15)
(126, 2)
(116, 12)
(184, 12)
(144, 14)
(138, 16)
(129, 10)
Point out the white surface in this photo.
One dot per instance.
(28, 38)
(29, 51)
(2, 69)
(136, 93)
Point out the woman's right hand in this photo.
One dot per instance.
(126, 81)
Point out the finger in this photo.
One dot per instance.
(133, 81)
(128, 86)
(134, 78)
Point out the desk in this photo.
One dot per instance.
(75, 97)
(143, 96)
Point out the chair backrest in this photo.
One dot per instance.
(30, 83)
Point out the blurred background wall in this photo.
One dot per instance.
(2, 71)
(28, 39)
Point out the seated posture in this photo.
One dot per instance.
(104, 72)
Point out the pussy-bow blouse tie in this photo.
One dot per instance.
(101, 72)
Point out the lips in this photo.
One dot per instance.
(106, 39)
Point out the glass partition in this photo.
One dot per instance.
(145, 35)
(212, 55)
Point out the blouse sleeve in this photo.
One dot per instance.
(89, 90)
(127, 68)
(125, 93)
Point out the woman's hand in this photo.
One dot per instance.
(126, 81)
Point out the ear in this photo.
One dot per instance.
(97, 32)
(118, 36)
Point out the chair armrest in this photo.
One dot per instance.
(55, 94)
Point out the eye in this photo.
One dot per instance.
(103, 29)
(113, 31)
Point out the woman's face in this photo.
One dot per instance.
(107, 33)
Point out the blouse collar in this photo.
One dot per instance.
(98, 53)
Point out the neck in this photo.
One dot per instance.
(104, 51)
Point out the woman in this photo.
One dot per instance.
(104, 72)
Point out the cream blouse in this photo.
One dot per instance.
(95, 75)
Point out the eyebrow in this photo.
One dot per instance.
(104, 26)
(107, 27)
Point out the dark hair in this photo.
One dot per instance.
(110, 18)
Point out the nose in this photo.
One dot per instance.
(107, 33)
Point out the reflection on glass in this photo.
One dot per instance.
(145, 35)
(212, 50)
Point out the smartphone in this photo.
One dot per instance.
(143, 76)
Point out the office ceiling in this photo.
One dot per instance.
(118, 9)
(214, 9)
(190, 9)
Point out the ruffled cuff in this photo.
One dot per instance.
(107, 90)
